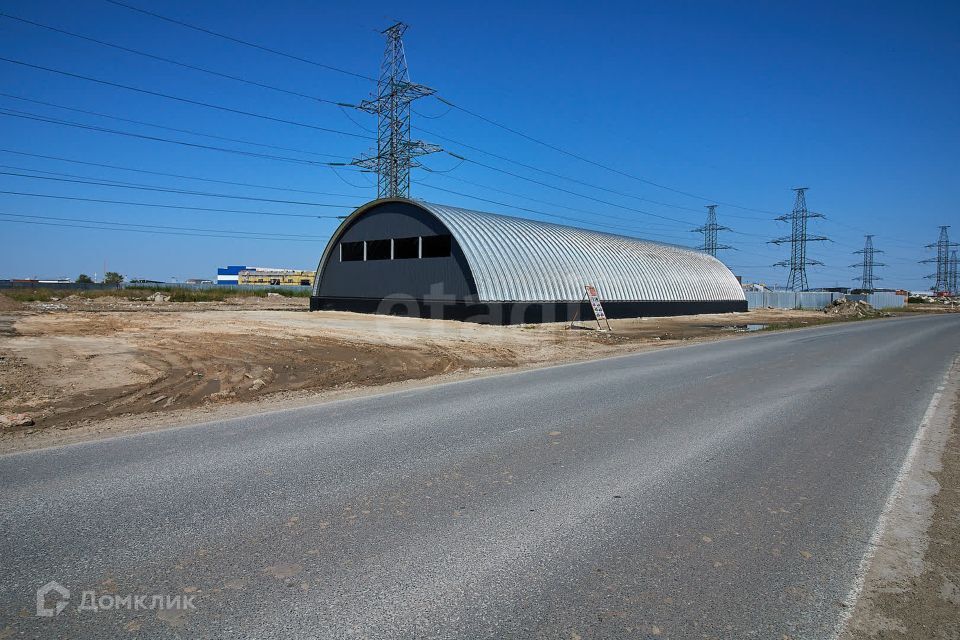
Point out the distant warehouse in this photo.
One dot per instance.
(240, 274)
(403, 257)
(276, 277)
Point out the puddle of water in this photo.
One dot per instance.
(745, 328)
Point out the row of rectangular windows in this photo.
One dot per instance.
(397, 248)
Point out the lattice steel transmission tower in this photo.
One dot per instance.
(798, 240)
(943, 247)
(396, 153)
(868, 263)
(709, 231)
(952, 279)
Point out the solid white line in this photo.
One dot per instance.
(896, 492)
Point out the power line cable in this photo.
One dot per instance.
(537, 211)
(155, 232)
(189, 101)
(449, 103)
(541, 170)
(171, 206)
(30, 116)
(444, 100)
(530, 198)
(347, 182)
(594, 162)
(564, 177)
(239, 41)
(567, 191)
(142, 187)
(429, 117)
(175, 62)
(347, 115)
(251, 185)
(167, 227)
(166, 128)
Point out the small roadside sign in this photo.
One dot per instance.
(598, 312)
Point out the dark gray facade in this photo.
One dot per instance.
(379, 279)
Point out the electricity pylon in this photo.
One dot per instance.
(709, 231)
(396, 153)
(943, 247)
(869, 262)
(798, 239)
(952, 283)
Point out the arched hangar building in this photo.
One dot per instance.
(405, 257)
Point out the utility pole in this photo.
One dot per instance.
(798, 239)
(396, 153)
(943, 247)
(868, 263)
(709, 231)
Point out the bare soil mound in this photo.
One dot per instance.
(852, 309)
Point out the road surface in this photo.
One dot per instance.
(716, 490)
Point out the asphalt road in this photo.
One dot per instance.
(717, 490)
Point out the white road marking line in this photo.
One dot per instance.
(896, 492)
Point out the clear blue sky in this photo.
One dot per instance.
(737, 102)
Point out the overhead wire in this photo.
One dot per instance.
(247, 43)
(175, 62)
(251, 185)
(142, 187)
(156, 226)
(567, 191)
(530, 198)
(172, 206)
(594, 162)
(190, 101)
(535, 211)
(451, 105)
(157, 232)
(130, 134)
(166, 128)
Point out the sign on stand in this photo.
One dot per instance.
(598, 312)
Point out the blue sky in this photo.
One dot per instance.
(735, 102)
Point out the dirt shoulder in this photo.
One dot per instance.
(911, 587)
(91, 368)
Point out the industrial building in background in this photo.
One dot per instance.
(404, 257)
(266, 276)
(798, 239)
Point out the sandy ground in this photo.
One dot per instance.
(86, 368)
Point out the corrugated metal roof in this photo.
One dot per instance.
(516, 259)
(521, 260)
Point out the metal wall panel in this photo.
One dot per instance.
(519, 260)
(817, 299)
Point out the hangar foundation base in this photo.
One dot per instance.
(507, 313)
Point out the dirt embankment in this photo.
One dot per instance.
(112, 365)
